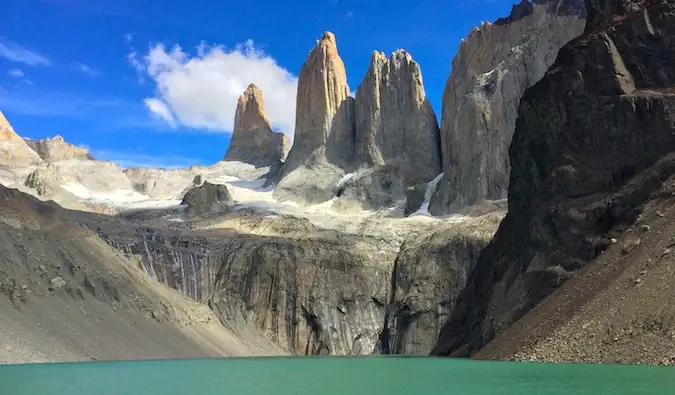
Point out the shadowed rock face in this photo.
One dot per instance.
(57, 149)
(395, 123)
(494, 66)
(206, 197)
(593, 143)
(324, 128)
(253, 140)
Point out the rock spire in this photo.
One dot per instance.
(395, 123)
(253, 140)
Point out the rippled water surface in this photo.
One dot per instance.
(332, 375)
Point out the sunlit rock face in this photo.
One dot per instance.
(253, 140)
(14, 152)
(323, 142)
(493, 67)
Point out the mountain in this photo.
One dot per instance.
(56, 149)
(14, 152)
(324, 128)
(67, 295)
(587, 236)
(493, 67)
(253, 140)
(395, 123)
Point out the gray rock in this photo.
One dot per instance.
(46, 180)
(207, 198)
(594, 144)
(494, 66)
(56, 283)
(377, 187)
(414, 197)
(395, 123)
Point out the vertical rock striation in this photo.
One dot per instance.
(594, 142)
(494, 66)
(253, 140)
(395, 123)
(324, 128)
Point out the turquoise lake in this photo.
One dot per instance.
(332, 375)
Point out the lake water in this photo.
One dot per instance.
(332, 375)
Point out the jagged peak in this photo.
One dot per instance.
(252, 88)
(328, 38)
(6, 130)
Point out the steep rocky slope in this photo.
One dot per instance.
(253, 140)
(66, 295)
(56, 149)
(494, 66)
(324, 128)
(593, 145)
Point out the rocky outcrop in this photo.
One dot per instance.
(494, 66)
(376, 187)
(594, 143)
(57, 149)
(395, 123)
(253, 140)
(46, 180)
(206, 198)
(323, 142)
(14, 152)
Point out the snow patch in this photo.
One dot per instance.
(428, 193)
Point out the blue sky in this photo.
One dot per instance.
(108, 75)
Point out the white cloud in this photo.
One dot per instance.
(160, 109)
(201, 91)
(16, 73)
(83, 68)
(16, 53)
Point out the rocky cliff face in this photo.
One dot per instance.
(253, 140)
(593, 144)
(311, 290)
(494, 66)
(395, 123)
(313, 295)
(14, 152)
(324, 128)
(57, 149)
(429, 272)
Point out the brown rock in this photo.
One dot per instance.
(324, 127)
(253, 140)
